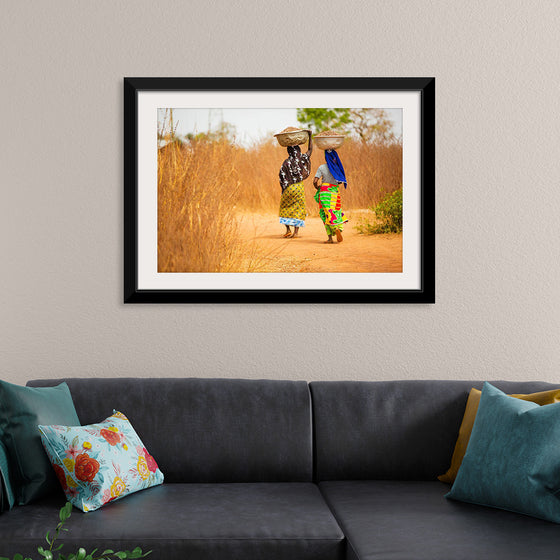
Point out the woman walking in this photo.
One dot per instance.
(327, 180)
(295, 169)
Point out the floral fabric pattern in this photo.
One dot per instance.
(99, 463)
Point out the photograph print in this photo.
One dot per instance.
(272, 194)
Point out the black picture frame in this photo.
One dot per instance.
(424, 293)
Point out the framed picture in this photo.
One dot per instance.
(279, 190)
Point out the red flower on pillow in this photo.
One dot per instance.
(86, 467)
(152, 465)
(61, 475)
(111, 436)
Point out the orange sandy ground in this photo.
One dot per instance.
(357, 253)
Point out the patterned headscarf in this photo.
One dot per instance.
(295, 168)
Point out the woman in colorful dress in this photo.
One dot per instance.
(295, 169)
(327, 180)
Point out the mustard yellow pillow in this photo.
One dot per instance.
(541, 398)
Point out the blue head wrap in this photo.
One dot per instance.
(335, 166)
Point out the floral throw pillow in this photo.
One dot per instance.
(99, 463)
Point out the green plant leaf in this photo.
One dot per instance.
(81, 554)
(121, 555)
(46, 554)
(58, 547)
(18, 557)
(108, 551)
(65, 512)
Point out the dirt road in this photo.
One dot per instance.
(309, 253)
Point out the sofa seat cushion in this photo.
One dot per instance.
(411, 520)
(192, 521)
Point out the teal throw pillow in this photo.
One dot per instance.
(513, 457)
(21, 410)
(6, 489)
(99, 463)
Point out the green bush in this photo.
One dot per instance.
(388, 216)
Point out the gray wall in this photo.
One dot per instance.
(498, 192)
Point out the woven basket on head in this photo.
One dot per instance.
(292, 136)
(329, 140)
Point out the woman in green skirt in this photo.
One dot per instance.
(327, 180)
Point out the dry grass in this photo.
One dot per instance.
(197, 188)
(202, 185)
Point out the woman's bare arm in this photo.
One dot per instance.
(310, 146)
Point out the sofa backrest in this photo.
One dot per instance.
(400, 430)
(208, 430)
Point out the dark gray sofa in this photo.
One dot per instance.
(285, 470)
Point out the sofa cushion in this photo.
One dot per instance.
(513, 457)
(100, 463)
(276, 521)
(541, 398)
(21, 410)
(209, 430)
(411, 520)
(7, 495)
(399, 430)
